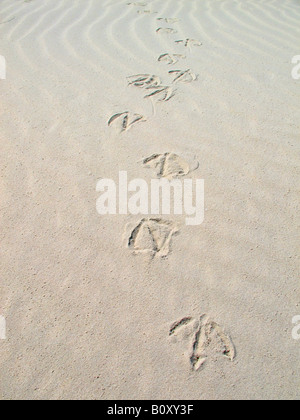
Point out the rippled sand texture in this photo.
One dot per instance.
(88, 318)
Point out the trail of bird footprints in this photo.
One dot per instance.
(154, 88)
(153, 236)
(207, 340)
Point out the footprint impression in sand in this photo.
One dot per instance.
(152, 236)
(169, 165)
(207, 339)
(153, 84)
(125, 120)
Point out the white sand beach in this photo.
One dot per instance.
(208, 314)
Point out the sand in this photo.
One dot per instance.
(88, 317)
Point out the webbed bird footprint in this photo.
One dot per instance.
(169, 165)
(146, 12)
(169, 20)
(189, 42)
(207, 336)
(171, 58)
(126, 120)
(186, 76)
(144, 80)
(140, 4)
(152, 82)
(152, 236)
(161, 93)
(166, 31)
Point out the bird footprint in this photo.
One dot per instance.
(186, 76)
(205, 334)
(169, 20)
(146, 12)
(126, 120)
(171, 58)
(166, 31)
(152, 82)
(161, 93)
(189, 42)
(152, 236)
(144, 80)
(139, 4)
(169, 165)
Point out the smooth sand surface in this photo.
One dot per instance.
(86, 317)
